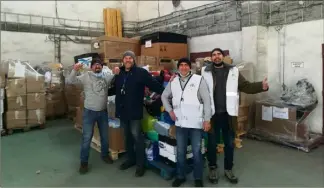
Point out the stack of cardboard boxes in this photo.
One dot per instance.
(25, 97)
(161, 50)
(36, 102)
(111, 49)
(55, 100)
(73, 93)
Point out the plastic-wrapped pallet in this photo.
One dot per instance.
(25, 96)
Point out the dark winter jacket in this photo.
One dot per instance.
(129, 106)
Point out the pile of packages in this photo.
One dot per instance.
(24, 96)
(160, 132)
(54, 87)
(285, 120)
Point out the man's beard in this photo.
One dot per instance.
(218, 64)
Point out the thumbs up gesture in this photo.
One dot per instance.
(265, 84)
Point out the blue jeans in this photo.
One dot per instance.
(221, 123)
(195, 136)
(134, 138)
(89, 119)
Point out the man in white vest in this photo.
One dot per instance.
(224, 83)
(187, 100)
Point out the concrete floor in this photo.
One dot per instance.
(54, 152)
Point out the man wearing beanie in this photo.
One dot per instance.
(224, 83)
(95, 85)
(129, 88)
(187, 100)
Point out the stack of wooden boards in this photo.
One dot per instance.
(112, 22)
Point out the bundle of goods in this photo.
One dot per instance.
(54, 86)
(285, 120)
(25, 97)
(161, 142)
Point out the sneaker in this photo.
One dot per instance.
(199, 183)
(140, 171)
(230, 176)
(126, 165)
(83, 168)
(178, 182)
(108, 159)
(213, 175)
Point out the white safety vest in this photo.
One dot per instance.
(186, 105)
(232, 93)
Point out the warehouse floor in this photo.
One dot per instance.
(49, 158)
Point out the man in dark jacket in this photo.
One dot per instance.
(224, 81)
(129, 87)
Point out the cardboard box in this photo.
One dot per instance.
(113, 65)
(17, 103)
(36, 101)
(16, 87)
(55, 108)
(116, 138)
(35, 84)
(16, 119)
(164, 45)
(147, 60)
(35, 117)
(114, 47)
(166, 50)
(281, 121)
(55, 95)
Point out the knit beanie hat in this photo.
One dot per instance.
(184, 60)
(217, 49)
(129, 53)
(96, 60)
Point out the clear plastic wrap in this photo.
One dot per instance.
(301, 95)
(286, 124)
(25, 95)
(54, 85)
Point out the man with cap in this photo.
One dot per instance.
(129, 88)
(95, 86)
(224, 83)
(187, 100)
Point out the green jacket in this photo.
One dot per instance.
(243, 86)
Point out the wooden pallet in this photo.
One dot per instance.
(165, 171)
(95, 144)
(25, 129)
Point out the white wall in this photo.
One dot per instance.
(33, 48)
(303, 43)
(227, 41)
(260, 45)
(150, 9)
